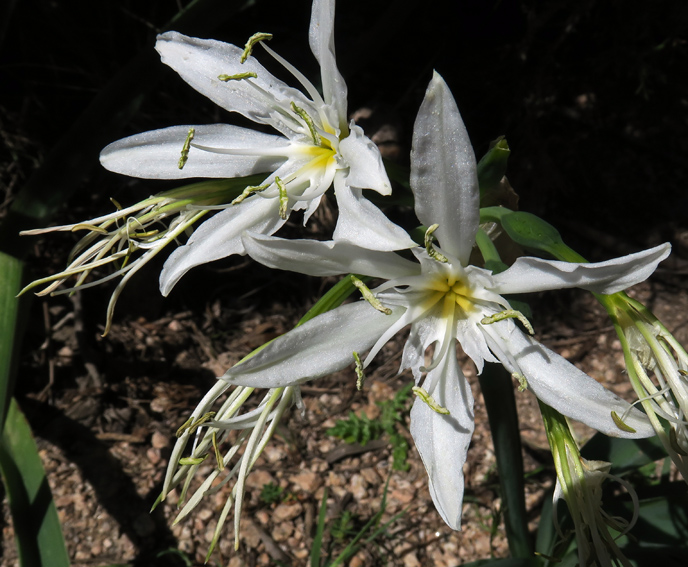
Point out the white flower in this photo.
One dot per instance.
(444, 300)
(316, 147)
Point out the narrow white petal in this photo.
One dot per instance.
(366, 170)
(567, 389)
(534, 274)
(321, 39)
(155, 154)
(362, 223)
(444, 175)
(321, 346)
(443, 440)
(200, 61)
(331, 258)
(220, 236)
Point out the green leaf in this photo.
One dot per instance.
(497, 389)
(530, 231)
(10, 283)
(37, 528)
(625, 454)
(494, 188)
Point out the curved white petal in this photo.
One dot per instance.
(443, 440)
(155, 154)
(362, 223)
(534, 274)
(567, 389)
(200, 61)
(320, 346)
(444, 175)
(321, 39)
(366, 170)
(220, 236)
(332, 258)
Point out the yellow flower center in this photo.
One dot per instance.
(453, 292)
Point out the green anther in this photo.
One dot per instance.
(237, 77)
(283, 198)
(683, 372)
(509, 314)
(427, 398)
(200, 421)
(114, 202)
(218, 456)
(192, 460)
(434, 254)
(184, 427)
(309, 122)
(255, 38)
(185, 148)
(250, 190)
(91, 227)
(369, 297)
(360, 377)
(620, 424)
(522, 381)
(144, 234)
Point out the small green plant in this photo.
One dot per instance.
(272, 493)
(346, 527)
(362, 429)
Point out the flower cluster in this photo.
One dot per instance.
(434, 288)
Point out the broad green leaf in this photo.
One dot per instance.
(37, 528)
(625, 454)
(497, 389)
(10, 283)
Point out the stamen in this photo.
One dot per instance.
(434, 254)
(359, 372)
(369, 297)
(283, 198)
(255, 38)
(309, 122)
(218, 456)
(185, 148)
(509, 314)
(184, 427)
(522, 381)
(427, 398)
(237, 77)
(119, 207)
(200, 421)
(250, 190)
(91, 227)
(192, 460)
(620, 424)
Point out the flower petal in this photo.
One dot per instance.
(155, 154)
(220, 236)
(535, 274)
(332, 258)
(365, 162)
(200, 61)
(362, 223)
(320, 346)
(443, 440)
(444, 175)
(567, 389)
(321, 39)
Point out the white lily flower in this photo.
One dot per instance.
(444, 300)
(316, 148)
